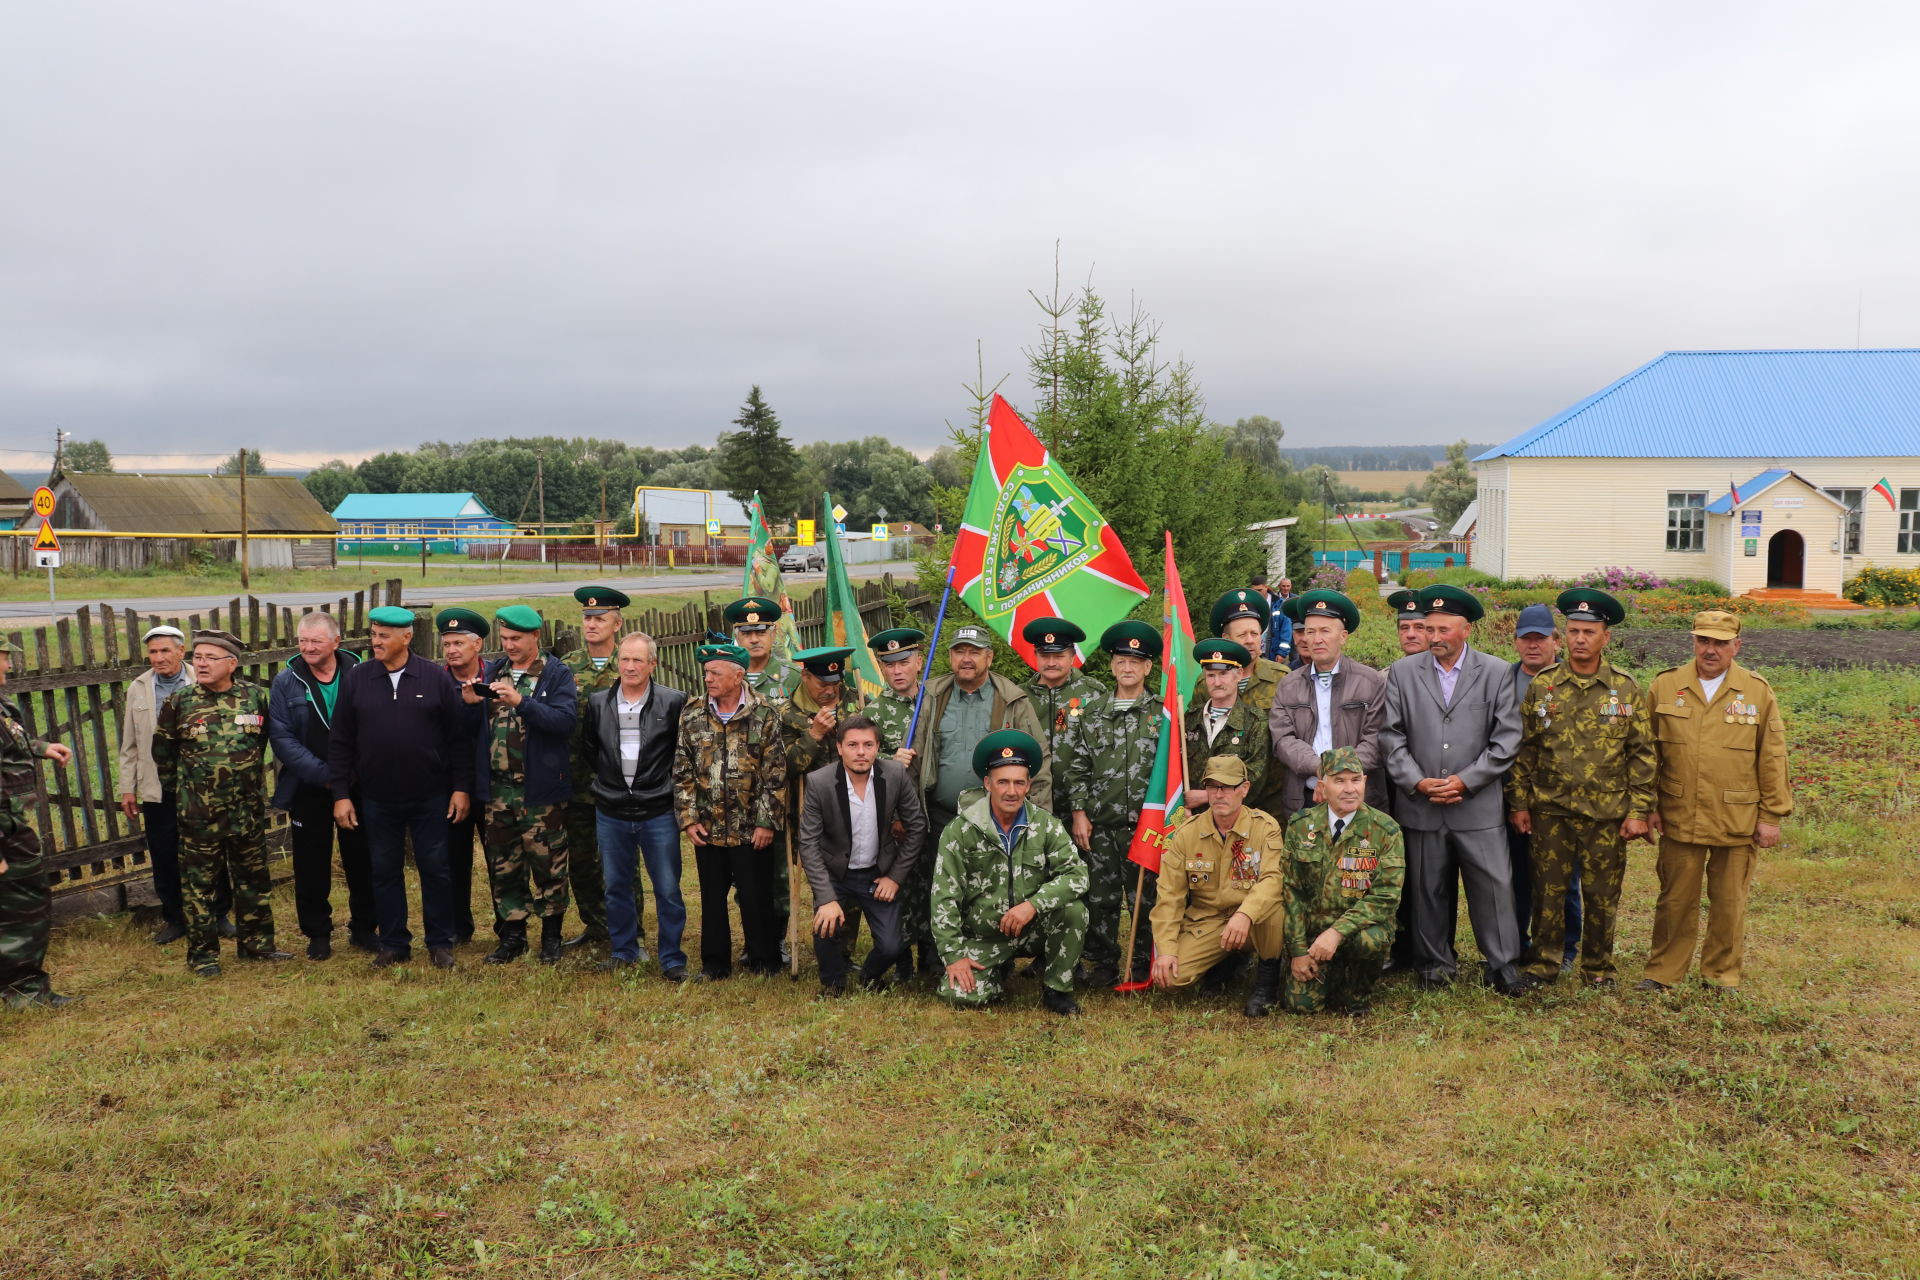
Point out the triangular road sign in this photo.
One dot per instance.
(46, 541)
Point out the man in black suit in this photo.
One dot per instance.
(852, 858)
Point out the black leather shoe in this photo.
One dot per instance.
(388, 958)
(266, 955)
(319, 948)
(367, 942)
(1265, 993)
(168, 932)
(832, 990)
(1433, 982)
(1103, 975)
(550, 944)
(209, 970)
(442, 957)
(1524, 985)
(1648, 984)
(612, 964)
(587, 939)
(1217, 979)
(55, 1000)
(678, 973)
(1060, 1002)
(513, 945)
(225, 928)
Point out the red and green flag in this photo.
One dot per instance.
(1031, 545)
(1885, 490)
(763, 577)
(1165, 803)
(844, 624)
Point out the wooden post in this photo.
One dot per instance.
(246, 580)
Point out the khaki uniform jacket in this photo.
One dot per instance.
(1722, 765)
(138, 773)
(1205, 875)
(1012, 709)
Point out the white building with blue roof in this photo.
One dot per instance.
(1763, 470)
(446, 521)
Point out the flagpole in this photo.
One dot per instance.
(926, 670)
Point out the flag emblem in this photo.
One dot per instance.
(1041, 535)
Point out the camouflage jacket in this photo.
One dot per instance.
(894, 715)
(587, 680)
(1243, 736)
(978, 878)
(805, 753)
(1111, 753)
(211, 751)
(1257, 694)
(1057, 710)
(731, 776)
(1205, 875)
(1346, 886)
(776, 683)
(1586, 746)
(19, 778)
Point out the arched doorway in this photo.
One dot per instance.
(1787, 560)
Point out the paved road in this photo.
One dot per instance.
(34, 613)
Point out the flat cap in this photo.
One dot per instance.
(1586, 604)
(153, 633)
(1007, 746)
(897, 644)
(1132, 638)
(517, 617)
(1447, 598)
(1242, 603)
(825, 663)
(460, 622)
(1220, 654)
(1052, 635)
(1226, 771)
(597, 600)
(1341, 760)
(391, 615)
(1716, 624)
(752, 613)
(224, 640)
(721, 653)
(1326, 604)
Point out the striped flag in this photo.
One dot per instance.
(1165, 805)
(1885, 490)
(1737, 499)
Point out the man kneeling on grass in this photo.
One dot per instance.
(1008, 883)
(1344, 865)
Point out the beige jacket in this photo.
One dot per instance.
(1722, 765)
(138, 773)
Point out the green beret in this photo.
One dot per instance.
(1406, 605)
(517, 617)
(1008, 746)
(461, 622)
(1052, 635)
(391, 615)
(595, 600)
(1585, 604)
(752, 613)
(1243, 603)
(825, 663)
(897, 644)
(1133, 638)
(1447, 598)
(1341, 760)
(1221, 653)
(1327, 604)
(721, 653)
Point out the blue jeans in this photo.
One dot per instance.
(657, 840)
(387, 825)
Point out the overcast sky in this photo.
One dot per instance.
(328, 229)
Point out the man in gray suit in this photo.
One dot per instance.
(861, 830)
(1453, 726)
(1330, 701)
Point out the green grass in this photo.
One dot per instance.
(224, 579)
(322, 1120)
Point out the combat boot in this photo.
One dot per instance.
(1060, 1002)
(1266, 988)
(513, 943)
(550, 944)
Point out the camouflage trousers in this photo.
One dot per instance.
(916, 895)
(1346, 980)
(1110, 881)
(1562, 845)
(1055, 936)
(583, 870)
(525, 840)
(207, 854)
(26, 916)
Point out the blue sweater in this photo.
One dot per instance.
(399, 745)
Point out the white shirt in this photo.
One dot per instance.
(395, 677)
(864, 822)
(1323, 700)
(630, 737)
(1711, 687)
(1337, 822)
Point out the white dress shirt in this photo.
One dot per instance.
(864, 822)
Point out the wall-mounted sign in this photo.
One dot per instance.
(1753, 546)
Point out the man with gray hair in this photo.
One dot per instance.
(142, 796)
(299, 725)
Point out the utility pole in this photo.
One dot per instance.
(600, 534)
(246, 579)
(540, 487)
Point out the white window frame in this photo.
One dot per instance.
(1852, 500)
(1907, 541)
(1687, 535)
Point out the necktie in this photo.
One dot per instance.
(1339, 825)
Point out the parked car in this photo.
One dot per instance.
(803, 560)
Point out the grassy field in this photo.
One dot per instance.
(1394, 482)
(442, 572)
(324, 1120)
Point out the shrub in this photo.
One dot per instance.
(1361, 585)
(1877, 585)
(1326, 577)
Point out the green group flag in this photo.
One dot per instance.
(1031, 545)
(763, 577)
(844, 624)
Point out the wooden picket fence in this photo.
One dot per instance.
(72, 689)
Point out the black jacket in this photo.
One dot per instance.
(399, 745)
(826, 825)
(298, 727)
(652, 791)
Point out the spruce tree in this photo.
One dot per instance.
(758, 457)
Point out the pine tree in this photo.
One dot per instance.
(759, 458)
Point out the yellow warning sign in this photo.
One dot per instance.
(43, 502)
(46, 541)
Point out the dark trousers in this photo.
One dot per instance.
(748, 872)
(312, 836)
(1436, 862)
(26, 919)
(460, 839)
(1520, 851)
(854, 892)
(388, 825)
(161, 820)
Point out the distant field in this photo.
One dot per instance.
(1391, 481)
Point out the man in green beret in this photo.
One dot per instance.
(1222, 723)
(1060, 692)
(1244, 617)
(1330, 701)
(530, 754)
(1410, 619)
(899, 652)
(26, 890)
(463, 635)
(1581, 787)
(1008, 883)
(594, 668)
(752, 619)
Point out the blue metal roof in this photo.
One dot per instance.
(1749, 491)
(408, 506)
(1742, 404)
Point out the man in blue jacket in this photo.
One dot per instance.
(300, 712)
(401, 742)
(531, 714)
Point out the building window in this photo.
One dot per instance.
(1686, 522)
(1850, 499)
(1909, 521)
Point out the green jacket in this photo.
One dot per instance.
(894, 714)
(18, 776)
(805, 753)
(1243, 736)
(731, 776)
(777, 682)
(1057, 709)
(1586, 746)
(1347, 886)
(977, 878)
(1109, 757)
(1011, 709)
(211, 751)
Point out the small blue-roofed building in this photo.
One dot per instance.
(1763, 470)
(399, 521)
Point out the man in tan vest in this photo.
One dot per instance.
(1722, 777)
